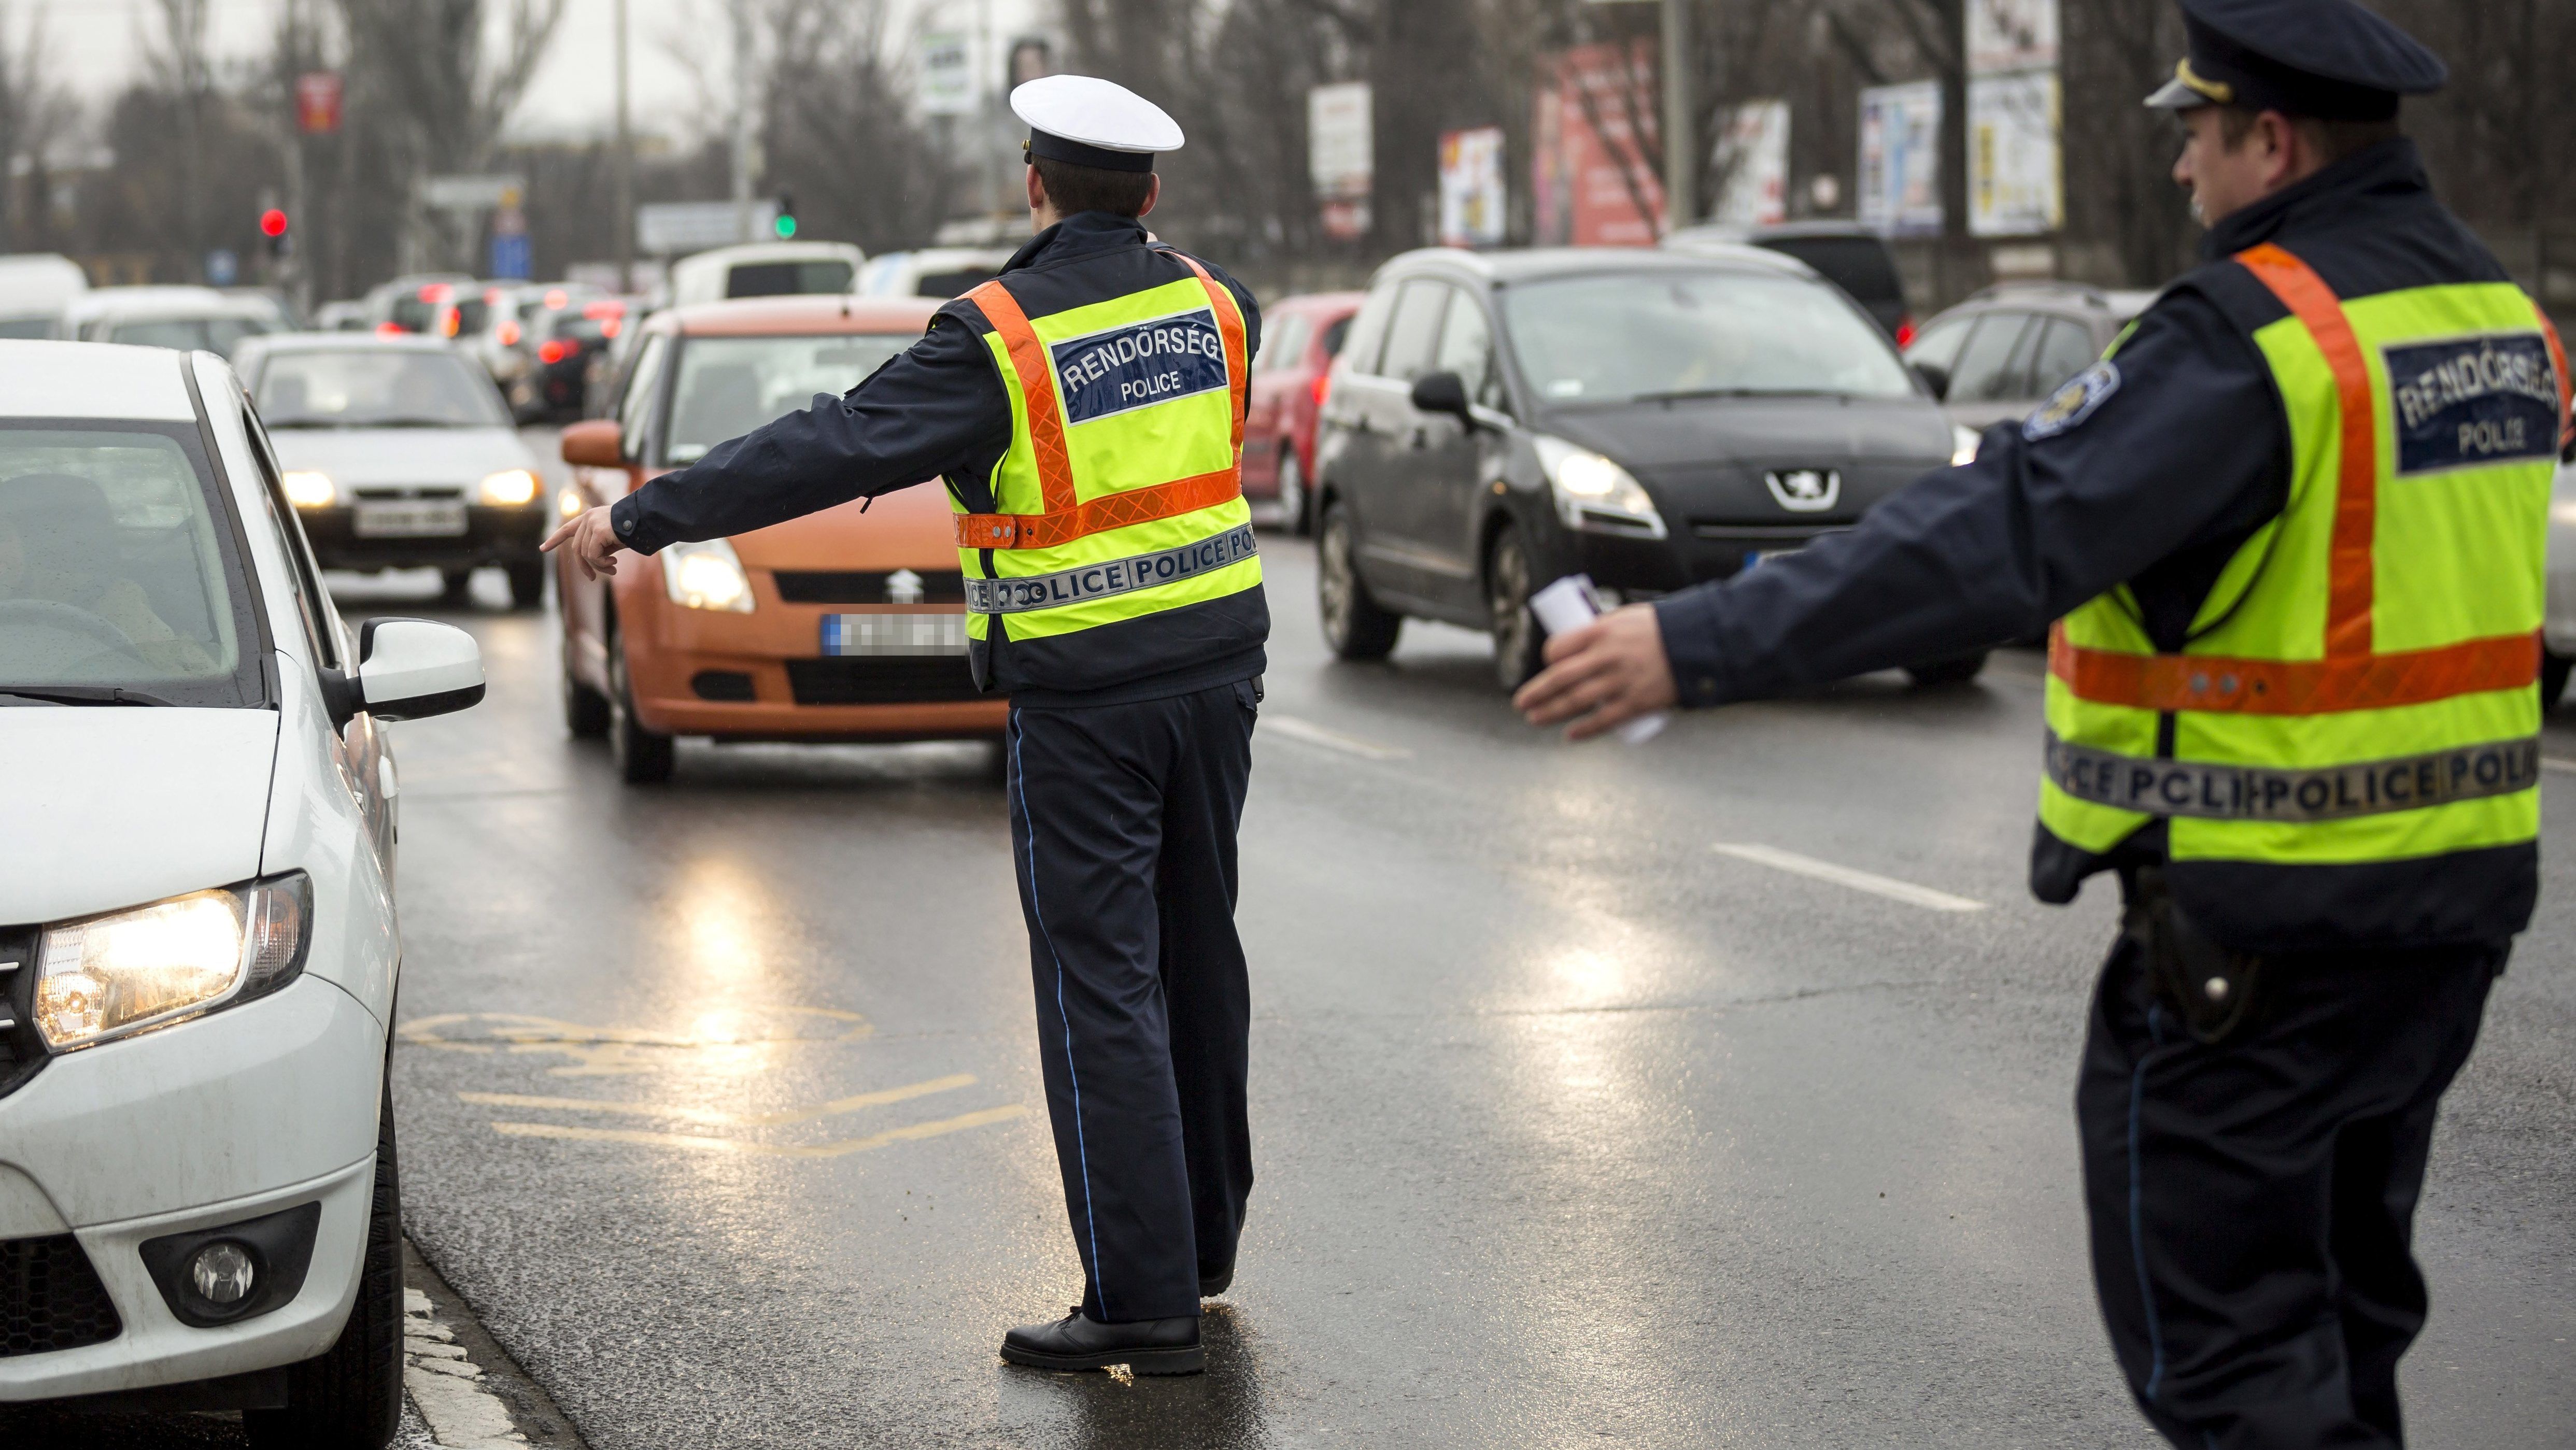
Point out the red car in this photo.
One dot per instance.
(1300, 336)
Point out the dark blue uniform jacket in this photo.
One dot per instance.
(2156, 487)
(936, 410)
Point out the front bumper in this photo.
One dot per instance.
(1696, 553)
(492, 536)
(245, 1112)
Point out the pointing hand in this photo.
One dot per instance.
(592, 541)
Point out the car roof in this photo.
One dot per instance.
(93, 380)
(180, 300)
(1529, 264)
(349, 342)
(2076, 296)
(822, 313)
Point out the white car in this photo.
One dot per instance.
(198, 1189)
(184, 318)
(2558, 628)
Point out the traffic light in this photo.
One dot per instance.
(273, 225)
(785, 226)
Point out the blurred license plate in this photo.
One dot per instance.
(410, 519)
(894, 634)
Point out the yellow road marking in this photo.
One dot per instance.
(703, 1144)
(718, 1119)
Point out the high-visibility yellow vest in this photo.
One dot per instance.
(1119, 501)
(2357, 689)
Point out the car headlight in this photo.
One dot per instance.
(510, 487)
(125, 972)
(568, 503)
(1963, 446)
(706, 576)
(1594, 493)
(307, 489)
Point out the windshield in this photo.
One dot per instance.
(779, 279)
(731, 385)
(117, 569)
(215, 334)
(357, 388)
(27, 327)
(1617, 338)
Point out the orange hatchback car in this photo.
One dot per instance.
(826, 628)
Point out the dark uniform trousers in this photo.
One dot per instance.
(1123, 818)
(2253, 1202)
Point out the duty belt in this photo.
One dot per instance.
(1104, 580)
(2258, 793)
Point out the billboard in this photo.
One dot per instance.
(1591, 185)
(945, 83)
(1899, 190)
(2013, 163)
(1752, 165)
(2011, 35)
(1341, 154)
(1471, 187)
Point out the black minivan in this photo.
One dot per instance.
(1654, 419)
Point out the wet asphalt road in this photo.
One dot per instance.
(720, 1103)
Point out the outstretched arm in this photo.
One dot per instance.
(937, 408)
(2176, 461)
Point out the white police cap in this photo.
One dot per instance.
(1091, 122)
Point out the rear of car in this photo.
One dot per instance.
(766, 269)
(1654, 420)
(568, 343)
(1300, 337)
(399, 454)
(829, 627)
(198, 951)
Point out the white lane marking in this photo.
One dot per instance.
(1307, 732)
(446, 1387)
(1887, 886)
(723, 1119)
(2549, 762)
(704, 1144)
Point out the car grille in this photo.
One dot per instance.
(377, 491)
(881, 680)
(866, 586)
(22, 1052)
(50, 1298)
(1763, 536)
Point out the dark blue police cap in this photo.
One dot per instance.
(2330, 59)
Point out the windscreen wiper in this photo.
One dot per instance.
(82, 695)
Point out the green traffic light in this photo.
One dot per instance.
(785, 226)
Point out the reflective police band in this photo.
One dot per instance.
(2254, 793)
(1117, 576)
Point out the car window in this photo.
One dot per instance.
(1937, 346)
(1334, 336)
(727, 386)
(2065, 349)
(1283, 344)
(310, 602)
(1617, 336)
(1368, 330)
(780, 279)
(187, 334)
(1981, 376)
(643, 384)
(348, 387)
(1467, 349)
(955, 282)
(1861, 266)
(1411, 337)
(118, 565)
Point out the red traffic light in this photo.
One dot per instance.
(272, 223)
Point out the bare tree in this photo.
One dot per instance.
(837, 130)
(36, 114)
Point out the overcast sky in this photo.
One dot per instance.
(96, 47)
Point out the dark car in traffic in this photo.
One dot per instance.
(1996, 355)
(1654, 419)
(1847, 254)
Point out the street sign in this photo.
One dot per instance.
(511, 259)
(317, 102)
(223, 269)
(664, 227)
(470, 193)
(946, 85)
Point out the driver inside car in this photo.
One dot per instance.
(58, 546)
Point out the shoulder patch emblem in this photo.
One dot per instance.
(2073, 402)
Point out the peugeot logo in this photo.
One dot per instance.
(904, 586)
(1805, 490)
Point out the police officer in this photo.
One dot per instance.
(2292, 528)
(1086, 410)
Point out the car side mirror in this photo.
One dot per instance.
(408, 669)
(1442, 393)
(594, 443)
(1934, 376)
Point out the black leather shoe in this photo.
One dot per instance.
(1213, 1282)
(1146, 1346)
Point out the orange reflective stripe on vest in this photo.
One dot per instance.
(2351, 676)
(1067, 517)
